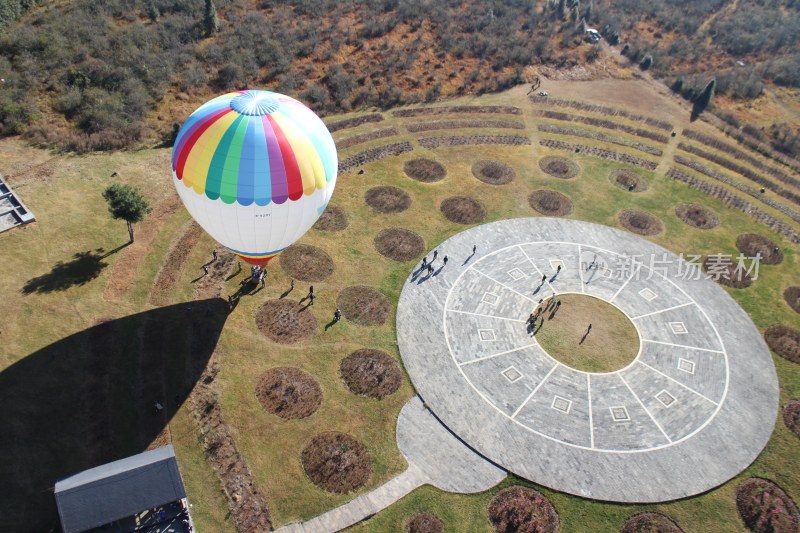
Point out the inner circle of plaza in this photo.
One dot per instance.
(694, 407)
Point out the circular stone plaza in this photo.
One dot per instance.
(690, 406)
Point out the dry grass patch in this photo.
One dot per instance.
(766, 508)
(337, 462)
(751, 244)
(334, 218)
(285, 321)
(792, 297)
(650, 523)
(628, 180)
(399, 244)
(518, 509)
(424, 170)
(791, 416)
(371, 373)
(387, 199)
(463, 210)
(640, 222)
(493, 172)
(697, 216)
(425, 523)
(550, 203)
(306, 263)
(559, 167)
(288, 392)
(784, 341)
(364, 305)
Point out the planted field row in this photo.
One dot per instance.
(722, 146)
(374, 154)
(603, 110)
(458, 124)
(711, 173)
(420, 111)
(574, 132)
(599, 152)
(364, 137)
(355, 121)
(461, 140)
(731, 200)
(744, 171)
(607, 124)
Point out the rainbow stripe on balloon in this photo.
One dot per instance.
(254, 147)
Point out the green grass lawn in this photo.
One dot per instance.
(72, 218)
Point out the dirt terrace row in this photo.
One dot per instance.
(458, 124)
(600, 109)
(492, 109)
(373, 154)
(604, 123)
(731, 200)
(599, 152)
(460, 140)
(702, 169)
(364, 137)
(600, 136)
(353, 122)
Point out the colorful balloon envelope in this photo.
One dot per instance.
(255, 169)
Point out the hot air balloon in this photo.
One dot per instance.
(255, 169)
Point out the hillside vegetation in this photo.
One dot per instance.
(88, 75)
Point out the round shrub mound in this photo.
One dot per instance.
(792, 297)
(387, 199)
(640, 222)
(306, 263)
(518, 509)
(463, 210)
(493, 172)
(696, 216)
(424, 170)
(627, 180)
(336, 462)
(334, 218)
(425, 523)
(399, 244)
(766, 508)
(550, 203)
(726, 271)
(285, 321)
(559, 167)
(791, 416)
(650, 523)
(288, 392)
(364, 305)
(784, 341)
(751, 244)
(371, 373)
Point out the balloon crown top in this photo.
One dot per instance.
(255, 103)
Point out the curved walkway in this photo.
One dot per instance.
(695, 407)
(434, 456)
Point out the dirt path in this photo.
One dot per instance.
(727, 9)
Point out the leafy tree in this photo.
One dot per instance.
(127, 203)
(152, 10)
(562, 9)
(705, 97)
(646, 63)
(210, 20)
(589, 11)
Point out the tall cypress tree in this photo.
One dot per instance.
(210, 20)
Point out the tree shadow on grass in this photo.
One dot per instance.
(83, 268)
(90, 398)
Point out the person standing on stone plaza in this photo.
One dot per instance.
(558, 269)
(544, 278)
(444, 260)
(474, 247)
(435, 253)
(430, 268)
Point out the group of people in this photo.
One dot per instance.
(542, 308)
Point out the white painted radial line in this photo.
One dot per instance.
(683, 346)
(547, 281)
(485, 357)
(486, 316)
(591, 423)
(635, 270)
(503, 284)
(645, 409)
(663, 310)
(679, 383)
(580, 275)
(535, 390)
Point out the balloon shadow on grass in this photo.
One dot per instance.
(90, 398)
(83, 268)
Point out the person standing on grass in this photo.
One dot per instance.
(205, 270)
(213, 255)
(311, 298)
(337, 315)
(263, 278)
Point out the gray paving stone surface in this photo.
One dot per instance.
(695, 407)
